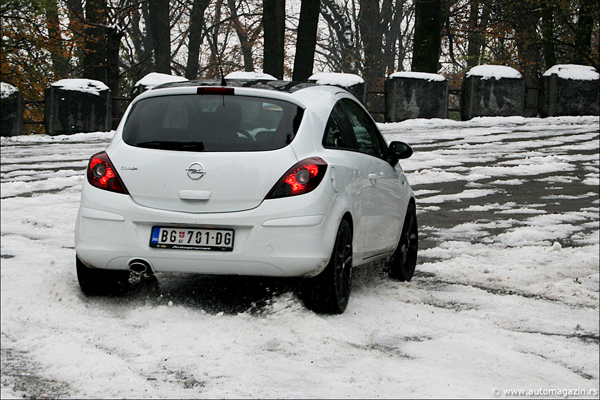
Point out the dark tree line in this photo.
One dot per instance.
(120, 41)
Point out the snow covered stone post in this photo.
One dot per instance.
(569, 89)
(351, 82)
(154, 79)
(492, 91)
(415, 95)
(249, 76)
(11, 102)
(77, 105)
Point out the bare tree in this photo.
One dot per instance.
(195, 37)
(94, 58)
(248, 29)
(159, 24)
(274, 37)
(306, 41)
(339, 48)
(427, 38)
(478, 19)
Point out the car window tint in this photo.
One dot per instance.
(212, 123)
(368, 139)
(338, 133)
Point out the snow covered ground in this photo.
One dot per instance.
(505, 298)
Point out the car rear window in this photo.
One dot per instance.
(212, 123)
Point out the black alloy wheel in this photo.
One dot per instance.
(404, 260)
(328, 293)
(102, 282)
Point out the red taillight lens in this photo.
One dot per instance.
(102, 174)
(302, 178)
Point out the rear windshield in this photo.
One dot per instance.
(212, 123)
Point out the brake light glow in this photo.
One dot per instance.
(215, 90)
(302, 178)
(102, 174)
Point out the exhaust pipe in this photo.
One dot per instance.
(139, 268)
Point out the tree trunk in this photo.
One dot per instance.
(274, 26)
(161, 35)
(371, 33)
(215, 61)
(392, 16)
(525, 19)
(77, 27)
(477, 26)
(306, 41)
(196, 25)
(114, 36)
(427, 39)
(583, 33)
(94, 59)
(246, 36)
(340, 24)
(142, 43)
(60, 63)
(548, 33)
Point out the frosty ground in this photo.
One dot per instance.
(505, 297)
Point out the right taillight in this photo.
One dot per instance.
(102, 174)
(302, 178)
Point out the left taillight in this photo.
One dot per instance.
(102, 174)
(302, 178)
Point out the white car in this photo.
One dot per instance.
(266, 179)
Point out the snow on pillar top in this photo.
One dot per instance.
(155, 78)
(494, 72)
(418, 75)
(336, 79)
(6, 90)
(574, 72)
(81, 85)
(250, 76)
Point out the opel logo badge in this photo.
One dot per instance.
(196, 171)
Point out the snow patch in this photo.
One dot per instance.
(418, 75)
(155, 78)
(250, 76)
(337, 79)
(81, 85)
(574, 72)
(6, 90)
(494, 72)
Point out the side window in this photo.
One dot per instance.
(338, 133)
(367, 135)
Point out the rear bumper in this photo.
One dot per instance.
(281, 237)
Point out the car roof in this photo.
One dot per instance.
(277, 85)
(318, 98)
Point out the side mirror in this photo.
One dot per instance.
(400, 150)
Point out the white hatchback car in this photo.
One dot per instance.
(267, 179)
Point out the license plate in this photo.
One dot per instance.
(192, 239)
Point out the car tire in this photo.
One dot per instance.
(404, 260)
(328, 292)
(102, 282)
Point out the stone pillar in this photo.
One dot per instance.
(350, 82)
(415, 95)
(492, 91)
(77, 105)
(11, 111)
(154, 79)
(570, 90)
